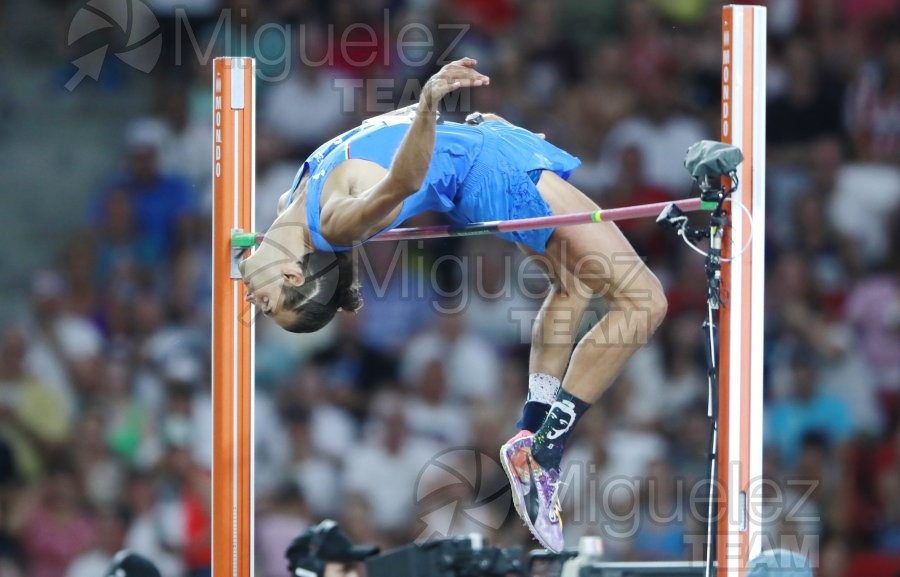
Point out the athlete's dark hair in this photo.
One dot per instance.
(329, 285)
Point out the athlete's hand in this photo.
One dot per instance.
(458, 74)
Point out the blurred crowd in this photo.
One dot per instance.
(105, 418)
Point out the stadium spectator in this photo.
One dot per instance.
(162, 202)
(389, 456)
(56, 528)
(806, 409)
(471, 365)
(430, 414)
(33, 418)
(109, 540)
(326, 94)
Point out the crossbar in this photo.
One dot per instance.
(246, 240)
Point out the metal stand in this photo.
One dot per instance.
(713, 194)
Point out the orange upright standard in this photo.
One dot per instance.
(234, 91)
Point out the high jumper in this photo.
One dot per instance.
(484, 182)
(375, 176)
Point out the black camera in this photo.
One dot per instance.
(451, 557)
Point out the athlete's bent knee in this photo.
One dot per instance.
(658, 306)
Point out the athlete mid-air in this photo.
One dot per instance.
(375, 176)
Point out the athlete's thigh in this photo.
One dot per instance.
(563, 281)
(597, 254)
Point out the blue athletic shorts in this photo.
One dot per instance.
(501, 185)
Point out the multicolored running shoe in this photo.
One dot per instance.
(534, 491)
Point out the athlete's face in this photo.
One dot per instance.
(273, 265)
(265, 275)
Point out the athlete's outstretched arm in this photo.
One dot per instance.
(347, 219)
(405, 111)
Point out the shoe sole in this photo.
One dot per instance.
(520, 507)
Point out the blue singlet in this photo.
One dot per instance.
(477, 173)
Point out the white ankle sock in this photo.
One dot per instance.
(542, 388)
